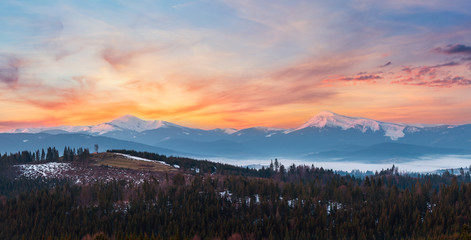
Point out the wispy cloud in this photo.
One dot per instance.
(386, 64)
(121, 58)
(370, 78)
(448, 64)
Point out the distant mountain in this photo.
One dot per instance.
(125, 123)
(325, 136)
(328, 119)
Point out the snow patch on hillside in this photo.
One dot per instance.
(229, 130)
(81, 174)
(141, 159)
(51, 169)
(393, 131)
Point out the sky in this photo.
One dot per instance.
(234, 63)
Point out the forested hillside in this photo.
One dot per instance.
(227, 202)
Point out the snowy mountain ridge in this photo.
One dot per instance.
(127, 122)
(330, 119)
(133, 123)
(324, 119)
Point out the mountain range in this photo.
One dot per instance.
(326, 136)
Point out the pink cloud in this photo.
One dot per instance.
(362, 77)
(430, 76)
(446, 82)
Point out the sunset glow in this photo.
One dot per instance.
(234, 63)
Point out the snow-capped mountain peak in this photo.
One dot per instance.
(134, 123)
(331, 119)
(124, 123)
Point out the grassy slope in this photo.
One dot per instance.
(120, 161)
